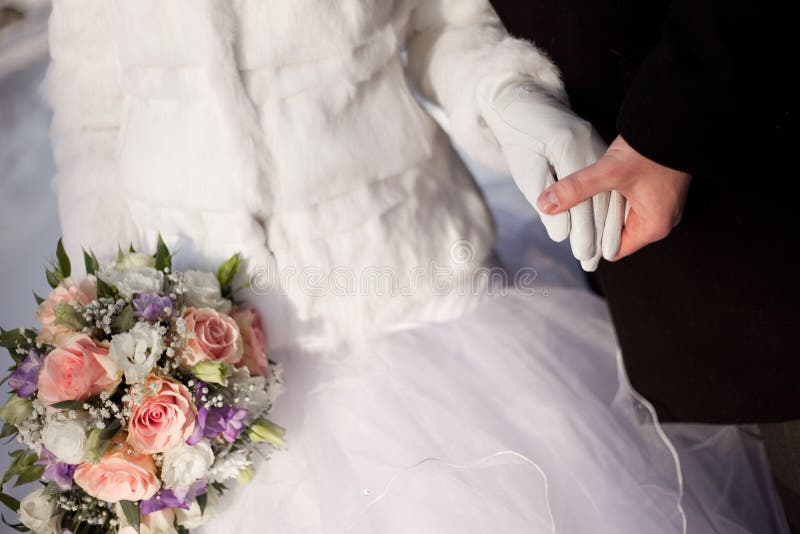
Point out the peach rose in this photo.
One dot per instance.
(255, 341)
(70, 293)
(120, 476)
(164, 419)
(76, 370)
(216, 337)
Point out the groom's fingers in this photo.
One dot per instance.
(635, 235)
(576, 188)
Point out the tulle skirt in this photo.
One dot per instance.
(514, 418)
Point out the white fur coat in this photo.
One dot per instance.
(284, 129)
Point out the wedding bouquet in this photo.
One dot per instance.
(141, 397)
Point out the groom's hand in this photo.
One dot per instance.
(655, 194)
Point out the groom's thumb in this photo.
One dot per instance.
(573, 189)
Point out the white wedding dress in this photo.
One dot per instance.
(289, 131)
(514, 417)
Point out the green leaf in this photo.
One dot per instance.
(104, 290)
(8, 430)
(131, 250)
(20, 466)
(120, 254)
(227, 271)
(9, 501)
(53, 278)
(18, 339)
(63, 260)
(202, 500)
(91, 263)
(162, 255)
(96, 446)
(39, 299)
(30, 474)
(124, 321)
(132, 513)
(110, 430)
(99, 440)
(68, 405)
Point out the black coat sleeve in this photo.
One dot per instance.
(715, 88)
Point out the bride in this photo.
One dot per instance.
(423, 396)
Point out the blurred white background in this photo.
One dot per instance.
(28, 216)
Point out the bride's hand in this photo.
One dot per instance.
(543, 140)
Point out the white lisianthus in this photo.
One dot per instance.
(184, 464)
(203, 291)
(136, 352)
(36, 512)
(66, 439)
(229, 466)
(194, 517)
(135, 273)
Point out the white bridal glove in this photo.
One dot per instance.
(542, 140)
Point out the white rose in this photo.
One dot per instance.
(136, 352)
(135, 273)
(36, 512)
(193, 517)
(66, 439)
(203, 291)
(184, 464)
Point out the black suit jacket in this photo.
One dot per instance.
(707, 317)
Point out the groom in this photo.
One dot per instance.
(698, 100)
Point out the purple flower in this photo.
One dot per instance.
(165, 498)
(213, 422)
(152, 306)
(57, 472)
(25, 379)
(174, 498)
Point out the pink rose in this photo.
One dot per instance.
(216, 337)
(70, 293)
(164, 419)
(120, 476)
(76, 370)
(255, 341)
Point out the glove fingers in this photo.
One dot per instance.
(572, 155)
(590, 266)
(600, 207)
(532, 174)
(612, 232)
(582, 233)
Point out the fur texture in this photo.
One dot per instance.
(284, 130)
